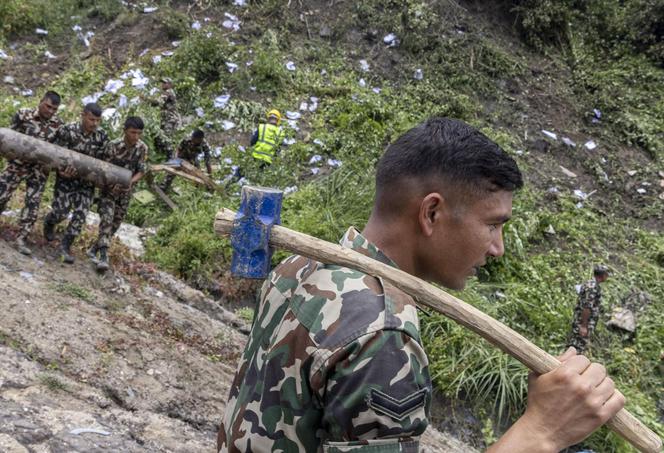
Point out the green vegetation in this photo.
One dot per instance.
(74, 290)
(605, 54)
(53, 382)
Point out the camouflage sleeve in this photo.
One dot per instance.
(16, 121)
(62, 136)
(141, 165)
(206, 153)
(376, 394)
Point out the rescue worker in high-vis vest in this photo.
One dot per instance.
(267, 138)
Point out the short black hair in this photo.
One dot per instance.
(52, 96)
(134, 122)
(198, 133)
(93, 108)
(451, 150)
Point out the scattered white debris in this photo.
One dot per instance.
(364, 65)
(641, 190)
(313, 106)
(144, 51)
(315, 159)
(550, 134)
(27, 92)
(109, 113)
(221, 101)
(167, 53)
(78, 431)
(419, 74)
(290, 189)
(318, 142)
(228, 160)
(362, 83)
(289, 141)
(550, 231)
(231, 22)
(590, 145)
(139, 81)
(150, 9)
(41, 31)
(76, 28)
(227, 125)
(579, 205)
(391, 40)
(323, 72)
(49, 55)
(200, 112)
(293, 115)
(567, 172)
(376, 90)
(553, 190)
(241, 148)
(85, 38)
(249, 63)
(293, 125)
(196, 25)
(240, 2)
(153, 91)
(156, 59)
(232, 67)
(290, 66)
(568, 141)
(92, 98)
(3, 55)
(304, 106)
(632, 172)
(581, 195)
(176, 43)
(646, 183)
(27, 276)
(9, 79)
(334, 163)
(122, 102)
(315, 170)
(113, 86)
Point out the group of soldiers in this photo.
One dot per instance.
(72, 195)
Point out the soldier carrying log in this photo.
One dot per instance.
(72, 194)
(43, 123)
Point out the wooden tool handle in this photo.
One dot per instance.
(514, 344)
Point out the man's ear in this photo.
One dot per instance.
(431, 212)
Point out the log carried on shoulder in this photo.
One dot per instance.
(14, 145)
(256, 228)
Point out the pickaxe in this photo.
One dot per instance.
(255, 229)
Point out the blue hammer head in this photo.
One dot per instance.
(260, 208)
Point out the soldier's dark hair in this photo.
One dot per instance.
(93, 108)
(448, 151)
(134, 122)
(198, 133)
(53, 97)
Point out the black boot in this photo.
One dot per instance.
(22, 246)
(65, 252)
(102, 264)
(49, 231)
(92, 253)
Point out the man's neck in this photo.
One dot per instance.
(393, 240)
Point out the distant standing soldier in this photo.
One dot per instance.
(267, 138)
(129, 152)
(189, 150)
(43, 123)
(170, 118)
(72, 194)
(587, 309)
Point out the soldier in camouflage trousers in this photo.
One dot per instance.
(334, 361)
(587, 311)
(170, 118)
(72, 194)
(129, 152)
(189, 150)
(41, 123)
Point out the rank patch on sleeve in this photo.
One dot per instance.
(398, 409)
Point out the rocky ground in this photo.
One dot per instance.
(131, 361)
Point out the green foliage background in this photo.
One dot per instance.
(614, 53)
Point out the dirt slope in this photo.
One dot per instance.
(140, 357)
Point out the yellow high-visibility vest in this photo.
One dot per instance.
(269, 139)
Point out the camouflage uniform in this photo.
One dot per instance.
(170, 122)
(75, 194)
(590, 297)
(28, 121)
(333, 363)
(113, 207)
(189, 151)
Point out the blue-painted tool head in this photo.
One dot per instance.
(260, 208)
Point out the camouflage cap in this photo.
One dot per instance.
(600, 269)
(166, 80)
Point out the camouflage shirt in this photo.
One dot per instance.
(28, 122)
(71, 136)
(333, 364)
(188, 151)
(590, 297)
(118, 153)
(169, 109)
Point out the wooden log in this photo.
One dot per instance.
(175, 171)
(14, 145)
(498, 334)
(165, 198)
